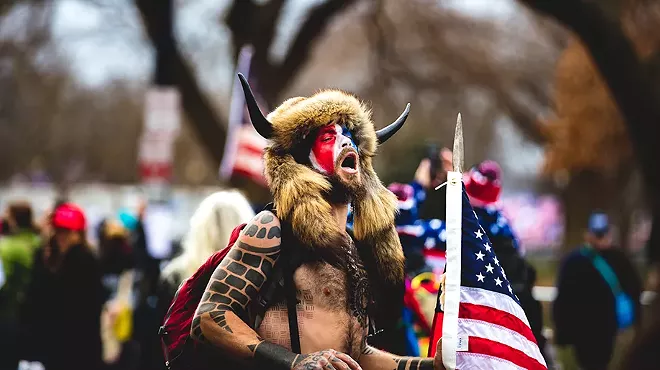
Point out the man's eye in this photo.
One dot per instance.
(326, 138)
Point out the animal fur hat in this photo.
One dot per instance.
(300, 192)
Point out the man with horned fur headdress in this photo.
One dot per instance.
(318, 162)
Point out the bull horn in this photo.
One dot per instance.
(260, 123)
(387, 132)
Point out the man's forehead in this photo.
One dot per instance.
(334, 127)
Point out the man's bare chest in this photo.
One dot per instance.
(331, 310)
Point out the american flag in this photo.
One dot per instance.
(244, 147)
(482, 319)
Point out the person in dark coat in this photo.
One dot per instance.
(62, 310)
(598, 294)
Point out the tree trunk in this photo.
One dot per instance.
(171, 69)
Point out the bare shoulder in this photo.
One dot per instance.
(263, 234)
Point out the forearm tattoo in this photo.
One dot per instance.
(271, 356)
(413, 363)
(402, 363)
(239, 276)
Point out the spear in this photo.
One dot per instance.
(447, 314)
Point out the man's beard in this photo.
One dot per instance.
(342, 192)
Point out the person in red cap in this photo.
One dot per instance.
(62, 310)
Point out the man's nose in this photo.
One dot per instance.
(345, 141)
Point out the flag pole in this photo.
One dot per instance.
(452, 284)
(235, 113)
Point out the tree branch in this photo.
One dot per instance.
(207, 125)
(300, 49)
(253, 24)
(525, 118)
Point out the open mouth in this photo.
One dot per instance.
(349, 164)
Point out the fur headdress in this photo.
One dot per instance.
(300, 193)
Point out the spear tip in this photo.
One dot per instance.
(457, 153)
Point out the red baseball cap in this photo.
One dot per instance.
(69, 216)
(483, 183)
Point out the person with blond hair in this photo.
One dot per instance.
(210, 228)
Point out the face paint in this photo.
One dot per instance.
(327, 146)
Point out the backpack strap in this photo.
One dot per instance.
(603, 269)
(291, 302)
(282, 278)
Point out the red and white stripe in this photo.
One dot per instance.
(485, 314)
(249, 154)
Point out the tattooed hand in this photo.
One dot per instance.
(326, 360)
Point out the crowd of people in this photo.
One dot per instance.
(63, 302)
(356, 288)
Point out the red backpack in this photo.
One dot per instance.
(183, 352)
(175, 331)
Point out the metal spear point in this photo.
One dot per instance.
(457, 154)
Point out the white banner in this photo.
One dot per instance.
(162, 123)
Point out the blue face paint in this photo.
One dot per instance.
(346, 132)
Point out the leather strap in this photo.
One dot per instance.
(291, 301)
(289, 267)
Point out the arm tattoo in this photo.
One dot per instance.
(413, 363)
(400, 363)
(271, 356)
(239, 277)
(368, 350)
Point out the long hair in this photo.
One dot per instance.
(210, 228)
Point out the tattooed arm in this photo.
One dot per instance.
(221, 315)
(374, 359)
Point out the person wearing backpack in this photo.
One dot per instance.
(297, 290)
(598, 296)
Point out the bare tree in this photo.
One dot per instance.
(249, 23)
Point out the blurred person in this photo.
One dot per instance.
(432, 172)
(114, 248)
(210, 228)
(417, 237)
(62, 310)
(17, 249)
(146, 320)
(598, 297)
(117, 263)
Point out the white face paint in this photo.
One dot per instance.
(327, 146)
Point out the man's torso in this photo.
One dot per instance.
(331, 310)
